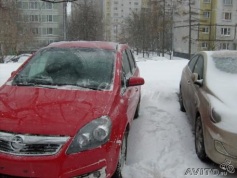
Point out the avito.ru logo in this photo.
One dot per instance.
(226, 166)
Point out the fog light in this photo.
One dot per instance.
(220, 148)
(96, 174)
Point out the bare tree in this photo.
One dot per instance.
(150, 29)
(14, 35)
(86, 22)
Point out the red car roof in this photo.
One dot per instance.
(85, 44)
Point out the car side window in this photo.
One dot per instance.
(199, 67)
(192, 62)
(126, 65)
(131, 60)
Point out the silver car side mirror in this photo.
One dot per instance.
(195, 79)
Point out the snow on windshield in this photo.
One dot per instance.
(226, 62)
(82, 67)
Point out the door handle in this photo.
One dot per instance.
(136, 89)
(189, 82)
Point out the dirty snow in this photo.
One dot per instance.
(160, 142)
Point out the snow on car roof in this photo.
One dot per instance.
(85, 44)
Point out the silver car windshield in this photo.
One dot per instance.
(83, 67)
(226, 64)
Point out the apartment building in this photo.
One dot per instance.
(115, 13)
(45, 19)
(213, 26)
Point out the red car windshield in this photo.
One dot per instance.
(81, 67)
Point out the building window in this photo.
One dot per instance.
(49, 18)
(115, 2)
(135, 3)
(224, 46)
(227, 2)
(49, 31)
(50, 41)
(34, 5)
(204, 45)
(34, 18)
(227, 16)
(206, 1)
(115, 8)
(225, 31)
(206, 14)
(35, 31)
(115, 14)
(19, 5)
(48, 5)
(205, 30)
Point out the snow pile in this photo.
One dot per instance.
(5, 71)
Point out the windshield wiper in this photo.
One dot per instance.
(24, 84)
(91, 87)
(23, 80)
(79, 86)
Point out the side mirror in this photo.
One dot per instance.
(135, 81)
(13, 73)
(195, 80)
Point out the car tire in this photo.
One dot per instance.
(181, 102)
(137, 109)
(199, 140)
(122, 157)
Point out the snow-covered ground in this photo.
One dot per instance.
(160, 143)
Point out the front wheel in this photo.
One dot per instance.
(199, 140)
(137, 109)
(122, 157)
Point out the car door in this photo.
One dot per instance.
(128, 93)
(185, 83)
(193, 89)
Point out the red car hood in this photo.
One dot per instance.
(50, 111)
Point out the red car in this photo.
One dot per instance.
(67, 111)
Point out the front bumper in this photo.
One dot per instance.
(99, 163)
(220, 144)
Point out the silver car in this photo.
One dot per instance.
(208, 93)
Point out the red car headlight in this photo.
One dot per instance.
(92, 135)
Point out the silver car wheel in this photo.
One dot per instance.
(199, 140)
(199, 136)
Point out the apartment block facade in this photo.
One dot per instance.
(46, 20)
(213, 26)
(115, 13)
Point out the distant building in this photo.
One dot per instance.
(86, 20)
(115, 13)
(213, 26)
(46, 21)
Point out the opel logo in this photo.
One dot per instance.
(17, 143)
